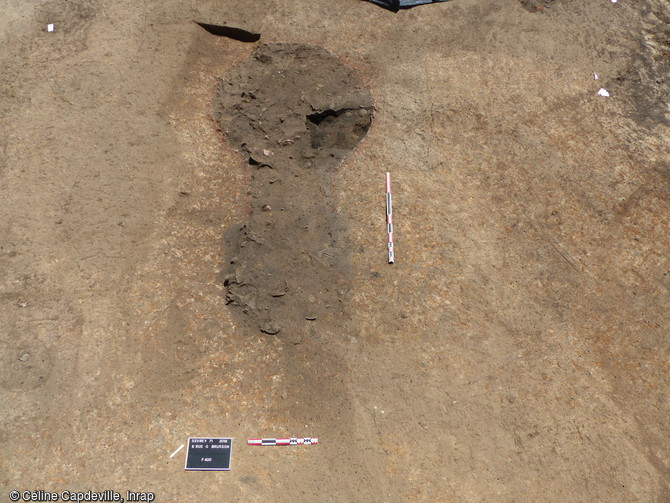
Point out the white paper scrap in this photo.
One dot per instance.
(595, 76)
(603, 92)
(50, 27)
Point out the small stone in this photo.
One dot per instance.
(266, 207)
(279, 290)
(24, 357)
(270, 327)
(312, 299)
(363, 112)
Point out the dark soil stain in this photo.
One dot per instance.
(646, 81)
(294, 112)
(536, 5)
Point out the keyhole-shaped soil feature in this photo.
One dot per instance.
(294, 112)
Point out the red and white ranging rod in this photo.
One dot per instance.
(389, 217)
(283, 441)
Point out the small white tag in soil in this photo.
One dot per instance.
(208, 454)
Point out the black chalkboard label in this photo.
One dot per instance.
(208, 453)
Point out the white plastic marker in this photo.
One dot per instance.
(175, 452)
(283, 441)
(50, 27)
(389, 216)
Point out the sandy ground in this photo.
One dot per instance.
(518, 350)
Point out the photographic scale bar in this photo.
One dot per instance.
(282, 441)
(389, 217)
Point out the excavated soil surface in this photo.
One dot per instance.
(517, 350)
(294, 112)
